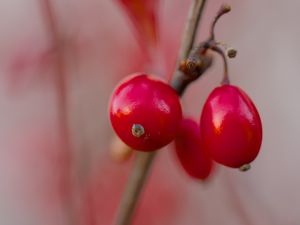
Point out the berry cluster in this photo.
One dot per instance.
(146, 114)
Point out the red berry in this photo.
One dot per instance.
(231, 127)
(145, 112)
(191, 153)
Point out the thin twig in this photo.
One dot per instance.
(191, 28)
(134, 187)
(61, 88)
(187, 42)
(144, 161)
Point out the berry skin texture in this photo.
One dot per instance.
(231, 127)
(145, 112)
(190, 151)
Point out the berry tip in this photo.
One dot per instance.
(231, 52)
(245, 167)
(137, 130)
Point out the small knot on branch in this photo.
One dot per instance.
(196, 64)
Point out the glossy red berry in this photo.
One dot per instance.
(190, 151)
(145, 112)
(231, 127)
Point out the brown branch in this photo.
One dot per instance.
(191, 28)
(137, 179)
(143, 162)
(178, 81)
(199, 59)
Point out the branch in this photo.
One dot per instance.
(144, 161)
(178, 81)
(134, 187)
(191, 28)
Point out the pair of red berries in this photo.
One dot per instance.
(146, 114)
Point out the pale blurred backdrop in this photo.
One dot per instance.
(43, 182)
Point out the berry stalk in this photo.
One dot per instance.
(200, 60)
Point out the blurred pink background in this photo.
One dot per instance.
(48, 179)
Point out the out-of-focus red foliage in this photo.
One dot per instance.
(143, 15)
